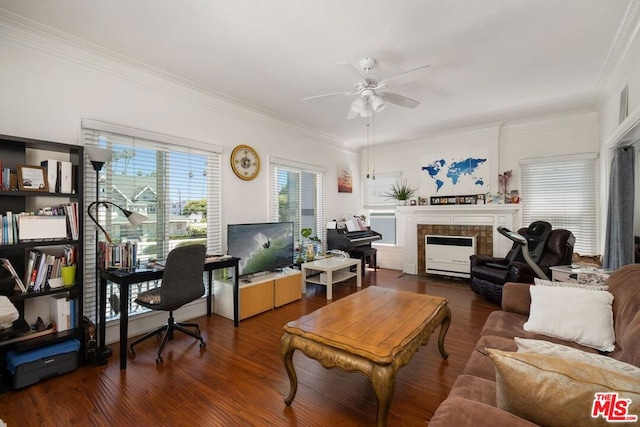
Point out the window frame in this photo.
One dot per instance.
(160, 143)
(570, 202)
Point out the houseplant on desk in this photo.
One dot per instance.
(400, 191)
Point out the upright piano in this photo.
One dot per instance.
(356, 243)
(347, 240)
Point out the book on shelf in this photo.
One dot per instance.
(52, 174)
(7, 264)
(45, 269)
(65, 177)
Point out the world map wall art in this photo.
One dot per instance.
(465, 172)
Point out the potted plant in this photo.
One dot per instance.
(400, 191)
(306, 233)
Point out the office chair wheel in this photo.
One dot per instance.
(159, 360)
(132, 352)
(202, 344)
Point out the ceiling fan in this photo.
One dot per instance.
(369, 90)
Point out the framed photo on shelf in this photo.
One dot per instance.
(32, 178)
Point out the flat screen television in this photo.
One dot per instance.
(261, 247)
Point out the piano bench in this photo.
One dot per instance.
(365, 254)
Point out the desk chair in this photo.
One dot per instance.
(181, 284)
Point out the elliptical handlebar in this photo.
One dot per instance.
(513, 236)
(524, 248)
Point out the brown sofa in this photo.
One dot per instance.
(472, 400)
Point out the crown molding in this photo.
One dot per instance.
(550, 121)
(613, 67)
(35, 38)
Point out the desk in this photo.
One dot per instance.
(126, 278)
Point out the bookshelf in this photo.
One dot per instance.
(31, 304)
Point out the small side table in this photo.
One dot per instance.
(329, 271)
(568, 273)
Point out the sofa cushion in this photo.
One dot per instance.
(459, 412)
(549, 390)
(567, 353)
(579, 315)
(516, 298)
(623, 284)
(474, 388)
(479, 364)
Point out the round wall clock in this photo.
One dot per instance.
(245, 162)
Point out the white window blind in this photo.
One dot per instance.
(373, 194)
(298, 195)
(175, 186)
(564, 192)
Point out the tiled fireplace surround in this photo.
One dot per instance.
(414, 222)
(483, 233)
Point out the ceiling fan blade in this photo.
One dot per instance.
(400, 100)
(362, 77)
(406, 76)
(329, 94)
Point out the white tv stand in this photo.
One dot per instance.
(264, 292)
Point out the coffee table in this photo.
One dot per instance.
(374, 332)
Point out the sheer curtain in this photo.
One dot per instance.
(619, 243)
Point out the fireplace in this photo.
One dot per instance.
(483, 238)
(479, 221)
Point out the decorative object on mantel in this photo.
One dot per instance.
(458, 200)
(503, 184)
(400, 191)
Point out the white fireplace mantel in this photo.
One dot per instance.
(409, 217)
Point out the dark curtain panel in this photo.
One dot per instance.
(619, 246)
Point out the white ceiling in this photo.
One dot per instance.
(491, 60)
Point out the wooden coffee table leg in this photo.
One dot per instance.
(444, 327)
(287, 357)
(383, 380)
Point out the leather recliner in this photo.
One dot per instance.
(487, 279)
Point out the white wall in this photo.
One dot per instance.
(613, 130)
(45, 97)
(572, 133)
(47, 86)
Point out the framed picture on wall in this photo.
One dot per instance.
(345, 181)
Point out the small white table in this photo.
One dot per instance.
(329, 271)
(568, 273)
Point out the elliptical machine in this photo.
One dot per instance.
(531, 245)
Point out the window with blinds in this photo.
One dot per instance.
(564, 192)
(176, 187)
(298, 195)
(373, 194)
(382, 214)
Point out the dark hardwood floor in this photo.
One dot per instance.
(239, 379)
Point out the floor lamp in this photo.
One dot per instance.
(98, 157)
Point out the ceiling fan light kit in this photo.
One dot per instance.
(369, 91)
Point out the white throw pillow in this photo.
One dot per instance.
(569, 353)
(592, 287)
(573, 314)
